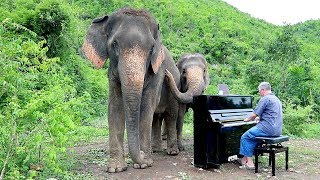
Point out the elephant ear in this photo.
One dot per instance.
(94, 46)
(206, 77)
(206, 74)
(157, 56)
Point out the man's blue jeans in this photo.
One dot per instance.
(248, 141)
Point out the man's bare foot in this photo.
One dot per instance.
(243, 160)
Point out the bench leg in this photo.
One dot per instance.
(272, 150)
(287, 157)
(270, 159)
(273, 163)
(256, 155)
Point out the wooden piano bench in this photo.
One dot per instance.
(271, 145)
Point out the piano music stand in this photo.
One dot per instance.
(223, 89)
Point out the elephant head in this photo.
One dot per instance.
(131, 40)
(194, 77)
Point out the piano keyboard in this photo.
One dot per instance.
(238, 123)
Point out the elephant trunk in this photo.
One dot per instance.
(132, 103)
(132, 71)
(195, 87)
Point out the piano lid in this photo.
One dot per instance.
(221, 102)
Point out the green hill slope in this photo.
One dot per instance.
(213, 28)
(309, 35)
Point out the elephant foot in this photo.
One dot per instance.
(156, 146)
(173, 151)
(147, 162)
(116, 165)
(156, 149)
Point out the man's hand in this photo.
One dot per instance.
(250, 118)
(246, 120)
(257, 119)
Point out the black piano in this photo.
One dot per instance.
(218, 126)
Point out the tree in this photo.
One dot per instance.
(285, 50)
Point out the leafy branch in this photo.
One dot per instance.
(10, 148)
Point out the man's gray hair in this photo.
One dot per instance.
(265, 86)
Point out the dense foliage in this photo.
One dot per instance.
(51, 97)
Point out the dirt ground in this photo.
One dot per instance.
(304, 163)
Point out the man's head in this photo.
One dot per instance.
(264, 88)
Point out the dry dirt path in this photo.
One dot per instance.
(304, 163)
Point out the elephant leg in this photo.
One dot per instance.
(116, 121)
(156, 132)
(145, 130)
(182, 111)
(163, 131)
(171, 120)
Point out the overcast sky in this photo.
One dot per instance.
(279, 12)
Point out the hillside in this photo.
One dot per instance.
(308, 33)
(209, 27)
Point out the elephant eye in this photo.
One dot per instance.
(151, 52)
(115, 47)
(114, 44)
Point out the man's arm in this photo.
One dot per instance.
(251, 117)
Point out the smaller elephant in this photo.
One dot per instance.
(194, 78)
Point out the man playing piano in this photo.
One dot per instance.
(269, 111)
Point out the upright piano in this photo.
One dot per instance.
(218, 126)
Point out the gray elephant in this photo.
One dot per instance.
(131, 40)
(194, 78)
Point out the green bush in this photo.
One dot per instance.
(39, 105)
(310, 130)
(295, 118)
(49, 21)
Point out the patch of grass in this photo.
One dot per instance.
(280, 160)
(93, 131)
(304, 156)
(311, 130)
(74, 170)
(98, 156)
(87, 134)
(188, 130)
